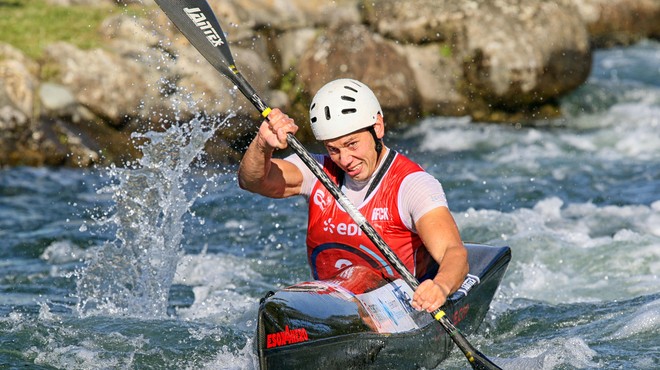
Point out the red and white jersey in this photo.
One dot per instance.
(335, 241)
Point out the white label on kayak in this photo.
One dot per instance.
(389, 307)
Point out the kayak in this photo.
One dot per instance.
(361, 319)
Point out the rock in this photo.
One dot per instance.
(437, 76)
(291, 45)
(486, 66)
(618, 22)
(81, 2)
(18, 86)
(16, 106)
(283, 15)
(9, 52)
(109, 86)
(12, 120)
(419, 21)
(535, 67)
(37, 121)
(348, 50)
(106, 3)
(140, 32)
(56, 98)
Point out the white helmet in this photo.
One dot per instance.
(341, 107)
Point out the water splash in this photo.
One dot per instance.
(132, 275)
(552, 354)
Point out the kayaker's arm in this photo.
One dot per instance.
(262, 174)
(440, 235)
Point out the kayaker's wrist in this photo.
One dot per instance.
(445, 290)
(263, 147)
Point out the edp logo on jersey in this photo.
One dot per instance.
(341, 228)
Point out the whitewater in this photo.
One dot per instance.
(161, 263)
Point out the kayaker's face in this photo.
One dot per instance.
(355, 153)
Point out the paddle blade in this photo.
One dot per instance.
(477, 359)
(197, 22)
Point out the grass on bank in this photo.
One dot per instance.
(30, 25)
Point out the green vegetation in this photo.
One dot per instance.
(30, 25)
(446, 51)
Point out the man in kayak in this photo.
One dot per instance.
(405, 204)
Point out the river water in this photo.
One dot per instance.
(162, 264)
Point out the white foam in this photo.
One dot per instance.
(551, 354)
(631, 131)
(450, 134)
(245, 359)
(627, 130)
(85, 354)
(213, 270)
(217, 283)
(573, 253)
(63, 251)
(76, 357)
(646, 319)
(653, 221)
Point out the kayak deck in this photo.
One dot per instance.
(359, 319)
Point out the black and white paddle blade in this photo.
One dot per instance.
(197, 22)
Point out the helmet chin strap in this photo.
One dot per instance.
(379, 142)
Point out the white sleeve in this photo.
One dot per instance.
(308, 176)
(419, 193)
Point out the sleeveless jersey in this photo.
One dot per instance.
(335, 241)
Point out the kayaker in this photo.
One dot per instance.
(405, 204)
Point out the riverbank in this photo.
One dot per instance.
(511, 61)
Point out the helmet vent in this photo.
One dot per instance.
(347, 98)
(350, 88)
(327, 113)
(313, 119)
(348, 111)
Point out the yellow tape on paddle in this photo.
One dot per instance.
(266, 112)
(439, 315)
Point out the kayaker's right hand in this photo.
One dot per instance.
(429, 296)
(274, 130)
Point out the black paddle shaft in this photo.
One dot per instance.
(197, 22)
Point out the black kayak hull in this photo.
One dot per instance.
(319, 325)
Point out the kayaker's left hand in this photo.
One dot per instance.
(429, 296)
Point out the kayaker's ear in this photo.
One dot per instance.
(379, 127)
